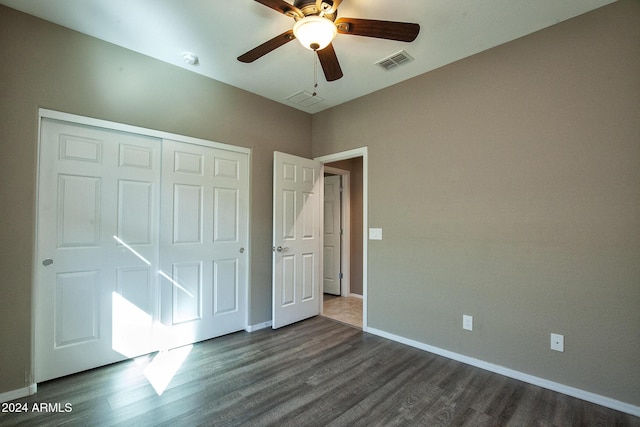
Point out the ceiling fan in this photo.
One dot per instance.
(316, 26)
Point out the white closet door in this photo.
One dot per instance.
(97, 240)
(204, 235)
(113, 280)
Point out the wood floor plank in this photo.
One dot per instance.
(396, 402)
(313, 373)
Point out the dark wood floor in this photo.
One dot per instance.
(314, 373)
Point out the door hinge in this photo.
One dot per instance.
(340, 276)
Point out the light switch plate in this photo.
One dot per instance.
(375, 234)
(467, 322)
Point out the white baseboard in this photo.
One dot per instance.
(263, 325)
(541, 382)
(17, 394)
(356, 296)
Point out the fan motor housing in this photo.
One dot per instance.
(308, 7)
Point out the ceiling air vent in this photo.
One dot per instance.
(395, 60)
(304, 98)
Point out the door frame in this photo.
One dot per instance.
(345, 220)
(44, 113)
(346, 155)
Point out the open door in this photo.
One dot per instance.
(297, 196)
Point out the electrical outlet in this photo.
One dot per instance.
(467, 322)
(557, 342)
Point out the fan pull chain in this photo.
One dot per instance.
(315, 73)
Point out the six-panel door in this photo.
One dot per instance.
(114, 278)
(296, 239)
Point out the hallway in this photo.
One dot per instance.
(347, 310)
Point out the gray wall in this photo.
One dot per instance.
(508, 187)
(44, 65)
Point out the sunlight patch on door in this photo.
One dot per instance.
(134, 333)
(133, 251)
(146, 261)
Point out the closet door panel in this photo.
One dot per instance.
(204, 223)
(98, 205)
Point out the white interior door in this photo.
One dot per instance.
(96, 198)
(204, 237)
(297, 194)
(332, 242)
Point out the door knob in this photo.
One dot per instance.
(281, 249)
(47, 262)
(241, 250)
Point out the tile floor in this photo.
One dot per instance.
(343, 309)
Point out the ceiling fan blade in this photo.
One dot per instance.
(402, 31)
(267, 47)
(282, 7)
(330, 65)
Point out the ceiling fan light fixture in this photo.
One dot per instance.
(315, 32)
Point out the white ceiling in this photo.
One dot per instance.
(218, 31)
